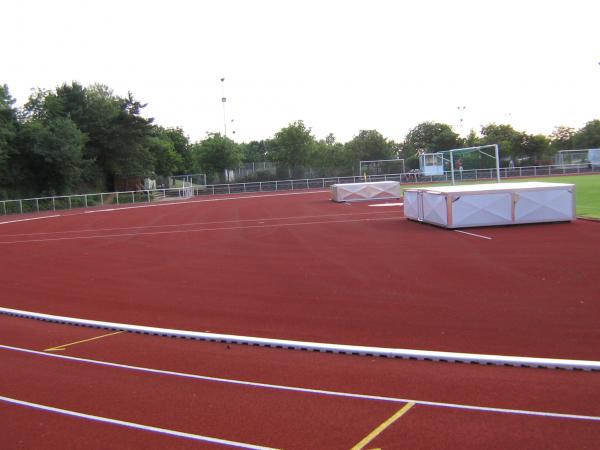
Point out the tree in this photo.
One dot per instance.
(170, 150)
(292, 146)
(8, 132)
(117, 135)
(52, 151)
(331, 158)
(472, 139)
(562, 138)
(369, 145)
(217, 153)
(509, 140)
(254, 151)
(166, 160)
(428, 137)
(181, 145)
(588, 136)
(537, 148)
(126, 151)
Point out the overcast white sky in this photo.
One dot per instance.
(341, 66)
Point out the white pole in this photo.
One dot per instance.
(451, 166)
(497, 162)
(223, 100)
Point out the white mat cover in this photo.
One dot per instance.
(352, 192)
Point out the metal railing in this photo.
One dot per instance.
(41, 204)
(409, 177)
(283, 185)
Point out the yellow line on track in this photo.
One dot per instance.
(377, 431)
(62, 347)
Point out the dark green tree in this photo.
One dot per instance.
(562, 138)
(254, 151)
(472, 139)
(51, 151)
(126, 151)
(8, 132)
(292, 147)
(170, 150)
(428, 137)
(537, 148)
(166, 160)
(330, 158)
(588, 136)
(215, 154)
(181, 145)
(118, 137)
(510, 142)
(369, 145)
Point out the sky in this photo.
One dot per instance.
(340, 66)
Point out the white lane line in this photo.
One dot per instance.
(387, 204)
(473, 234)
(304, 390)
(185, 202)
(190, 224)
(29, 219)
(137, 426)
(246, 227)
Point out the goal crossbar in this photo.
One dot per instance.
(366, 162)
(478, 149)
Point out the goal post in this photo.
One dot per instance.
(381, 166)
(478, 149)
(576, 158)
(459, 159)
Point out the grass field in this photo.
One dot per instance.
(588, 193)
(587, 186)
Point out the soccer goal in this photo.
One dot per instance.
(381, 167)
(462, 163)
(193, 179)
(575, 158)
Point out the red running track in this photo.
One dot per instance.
(274, 417)
(301, 267)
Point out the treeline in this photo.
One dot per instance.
(81, 139)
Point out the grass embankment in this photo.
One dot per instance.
(587, 199)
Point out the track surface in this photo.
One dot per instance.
(271, 416)
(296, 267)
(301, 267)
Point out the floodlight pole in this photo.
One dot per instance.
(223, 100)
